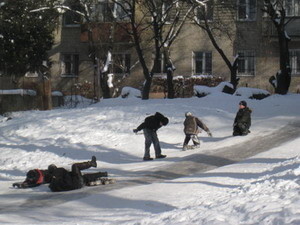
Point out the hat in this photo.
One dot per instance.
(32, 175)
(244, 103)
(51, 168)
(164, 121)
(188, 114)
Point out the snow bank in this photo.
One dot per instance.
(18, 92)
(250, 92)
(129, 92)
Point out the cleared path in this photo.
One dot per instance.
(186, 166)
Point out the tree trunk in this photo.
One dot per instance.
(170, 83)
(146, 88)
(280, 82)
(284, 77)
(104, 85)
(170, 71)
(47, 95)
(233, 78)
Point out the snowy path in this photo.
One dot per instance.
(202, 162)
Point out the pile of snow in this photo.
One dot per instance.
(129, 92)
(201, 90)
(57, 93)
(18, 92)
(250, 92)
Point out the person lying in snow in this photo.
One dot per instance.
(60, 179)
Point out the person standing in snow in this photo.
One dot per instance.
(150, 126)
(242, 121)
(191, 131)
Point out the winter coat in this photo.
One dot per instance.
(153, 122)
(35, 178)
(243, 117)
(63, 180)
(191, 124)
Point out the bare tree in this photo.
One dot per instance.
(99, 53)
(137, 26)
(204, 18)
(276, 10)
(154, 17)
(168, 18)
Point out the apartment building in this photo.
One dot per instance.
(253, 38)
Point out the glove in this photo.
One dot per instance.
(209, 133)
(135, 130)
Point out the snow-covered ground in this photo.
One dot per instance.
(263, 189)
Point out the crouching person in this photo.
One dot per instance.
(242, 121)
(64, 180)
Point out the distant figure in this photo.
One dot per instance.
(242, 121)
(60, 179)
(150, 126)
(191, 124)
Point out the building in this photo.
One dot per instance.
(251, 34)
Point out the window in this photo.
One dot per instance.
(70, 65)
(292, 7)
(119, 13)
(246, 63)
(202, 63)
(106, 11)
(167, 11)
(295, 61)
(102, 11)
(121, 63)
(203, 13)
(246, 10)
(161, 68)
(71, 19)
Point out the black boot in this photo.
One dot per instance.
(93, 162)
(90, 177)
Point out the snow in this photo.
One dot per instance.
(107, 62)
(202, 89)
(262, 189)
(18, 92)
(248, 92)
(129, 92)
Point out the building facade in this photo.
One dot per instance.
(251, 35)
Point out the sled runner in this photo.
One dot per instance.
(191, 147)
(101, 181)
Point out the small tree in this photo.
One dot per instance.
(154, 18)
(25, 36)
(275, 9)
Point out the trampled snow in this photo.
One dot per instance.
(263, 189)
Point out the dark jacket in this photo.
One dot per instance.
(191, 124)
(35, 178)
(243, 117)
(153, 122)
(63, 180)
